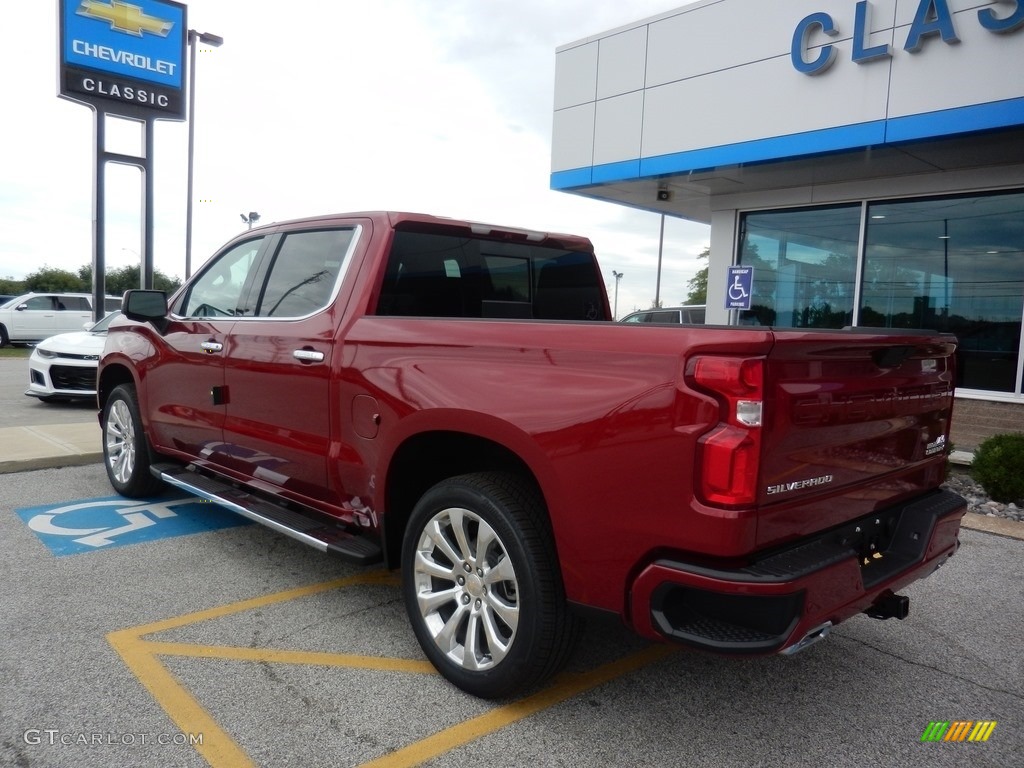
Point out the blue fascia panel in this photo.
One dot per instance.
(572, 179)
(1002, 114)
(628, 169)
(762, 150)
(948, 122)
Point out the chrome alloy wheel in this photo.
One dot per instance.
(119, 435)
(466, 589)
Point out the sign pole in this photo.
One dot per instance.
(99, 261)
(146, 268)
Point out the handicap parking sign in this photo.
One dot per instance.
(739, 288)
(88, 525)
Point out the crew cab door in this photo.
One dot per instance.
(188, 383)
(278, 363)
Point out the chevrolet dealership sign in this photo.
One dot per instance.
(124, 58)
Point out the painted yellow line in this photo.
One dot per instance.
(221, 751)
(375, 577)
(279, 656)
(565, 687)
(217, 748)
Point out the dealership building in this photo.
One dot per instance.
(865, 158)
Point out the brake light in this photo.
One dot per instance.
(729, 454)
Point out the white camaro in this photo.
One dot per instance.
(63, 367)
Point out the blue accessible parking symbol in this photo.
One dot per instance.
(740, 286)
(87, 525)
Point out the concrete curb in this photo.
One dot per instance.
(997, 525)
(49, 462)
(23, 449)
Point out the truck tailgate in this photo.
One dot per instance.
(853, 422)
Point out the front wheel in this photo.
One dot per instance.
(125, 450)
(482, 586)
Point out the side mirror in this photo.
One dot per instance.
(145, 306)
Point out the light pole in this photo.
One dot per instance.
(251, 219)
(615, 312)
(215, 41)
(661, 245)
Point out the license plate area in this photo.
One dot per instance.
(870, 537)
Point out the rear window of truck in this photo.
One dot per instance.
(432, 275)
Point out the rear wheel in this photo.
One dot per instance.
(125, 449)
(4, 338)
(482, 586)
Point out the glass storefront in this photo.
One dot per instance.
(948, 264)
(805, 266)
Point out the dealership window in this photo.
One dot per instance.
(805, 266)
(951, 264)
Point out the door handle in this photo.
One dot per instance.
(308, 355)
(209, 347)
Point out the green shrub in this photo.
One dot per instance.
(999, 466)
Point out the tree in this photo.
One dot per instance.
(123, 278)
(698, 284)
(52, 279)
(11, 287)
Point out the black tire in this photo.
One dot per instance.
(4, 338)
(493, 621)
(126, 453)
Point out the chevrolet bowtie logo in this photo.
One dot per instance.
(125, 17)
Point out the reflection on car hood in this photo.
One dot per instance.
(76, 343)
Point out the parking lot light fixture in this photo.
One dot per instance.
(215, 41)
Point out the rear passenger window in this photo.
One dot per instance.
(665, 316)
(304, 272)
(73, 304)
(432, 275)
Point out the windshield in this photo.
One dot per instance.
(102, 325)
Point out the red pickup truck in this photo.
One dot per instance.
(453, 399)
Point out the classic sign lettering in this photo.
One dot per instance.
(932, 19)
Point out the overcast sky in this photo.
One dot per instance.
(442, 107)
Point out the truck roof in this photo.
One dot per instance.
(396, 219)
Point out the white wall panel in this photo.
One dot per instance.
(576, 76)
(618, 128)
(736, 32)
(572, 138)
(984, 67)
(730, 106)
(622, 61)
(906, 10)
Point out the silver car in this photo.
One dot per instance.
(692, 314)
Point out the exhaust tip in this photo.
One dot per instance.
(815, 635)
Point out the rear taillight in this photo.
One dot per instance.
(729, 453)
